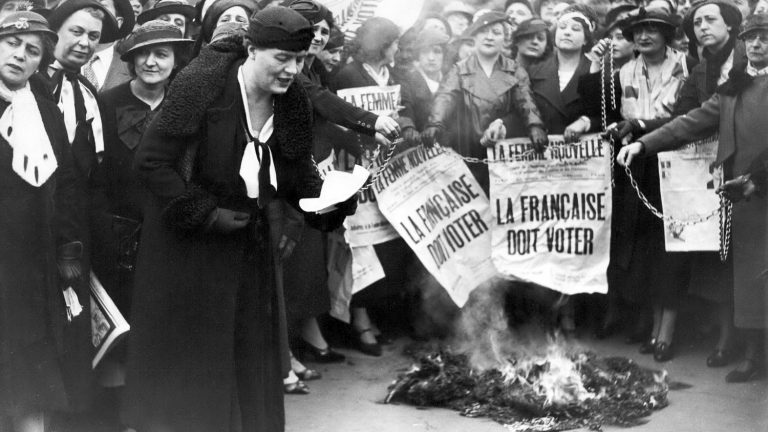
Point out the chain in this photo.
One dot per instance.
(603, 102)
(725, 210)
(380, 169)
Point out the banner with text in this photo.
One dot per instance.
(380, 100)
(688, 196)
(551, 212)
(437, 206)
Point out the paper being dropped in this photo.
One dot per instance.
(338, 187)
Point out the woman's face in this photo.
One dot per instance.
(273, 70)
(649, 40)
(761, 7)
(431, 59)
(710, 28)
(458, 22)
(10, 6)
(466, 49)
(517, 13)
(534, 45)
(154, 64)
(622, 48)
(20, 57)
(236, 14)
(489, 40)
(389, 53)
(322, 33)
(330, 58)
(569, 35)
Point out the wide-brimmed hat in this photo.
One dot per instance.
(730, 13)
(26, 22)
(109, 30)
(754, 23)
(653, 16)
(125, 10)
(529, 27)
(484, 20)
(458, 7)
(612, 16)
(155, 32)
(167, 7)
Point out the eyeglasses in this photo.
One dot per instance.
(759, 35)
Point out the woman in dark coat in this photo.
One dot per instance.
(737, 112)
(208, 335)
(40, 226)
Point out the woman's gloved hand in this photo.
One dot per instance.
(496, 131)
(431, 135)
(69, 262)
(226, 221)
(741, 187)
(411, 136)
(624, 128)
(539, 138)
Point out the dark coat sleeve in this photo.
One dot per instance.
(337, 110)
(697, 124)
(591, 92)
(446, 100)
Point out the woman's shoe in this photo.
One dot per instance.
(648, 346)
(743, 375)
(308, 375)
(662, 351)
(719, 357)
(309, 352)
(298, 388)
(372, 349)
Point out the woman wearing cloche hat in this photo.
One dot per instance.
(39, 228)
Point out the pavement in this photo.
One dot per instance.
(349, 396)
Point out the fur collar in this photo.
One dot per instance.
(204, 80)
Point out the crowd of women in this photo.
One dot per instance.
(164, 147)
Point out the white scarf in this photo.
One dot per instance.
(381, 77)
(66, 104)
(22, 126)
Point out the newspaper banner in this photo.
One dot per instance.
(688, 187)
(438, 207)
(368, 226)
(551, 212)
(378, 100)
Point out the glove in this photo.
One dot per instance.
(624, 128)
(738, 188)
(430, 135)
(348, 207)
(68, 261)
(410, 136)
(226, 221)
(538, 138)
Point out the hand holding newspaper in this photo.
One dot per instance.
(338, 187)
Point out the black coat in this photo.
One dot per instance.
(35, 372)
(558, 108)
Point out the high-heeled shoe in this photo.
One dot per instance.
(751, 372)
(648, 346)
(663, 351)
(372, 349)
(308, 352)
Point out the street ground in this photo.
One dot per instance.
(349, 396)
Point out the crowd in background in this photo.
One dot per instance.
(164, 146)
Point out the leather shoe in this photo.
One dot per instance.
(662, 351)
(719, 357)
(743, 375)
(307, 351)
(372, 349)
(298, 388)
(648, 346)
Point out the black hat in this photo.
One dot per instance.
(167, 7)
(653, 16)
(312, 11)
(215, 10)
(109, 30)
(754, 23)
(529, 27)
(155, 32)
(731, 16)
(336, 40)
(484, 20)
(612, 16)
(280, 27)
(26, 22)
(125, 10)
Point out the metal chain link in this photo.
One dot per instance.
(603, 102)
(380, 169)
(726, 211)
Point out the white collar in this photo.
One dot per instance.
(753, 71)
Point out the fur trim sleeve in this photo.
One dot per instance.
(190, 210)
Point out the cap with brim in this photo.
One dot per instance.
(644, 16)
(125, 10)
(109, 30)
(151, 33)
(458, 7)
(728, 11)
(164, 7)
(25, 22)
(530, 27)
(484, 20)
(754, 23)
(281, 28)
(430, 37)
